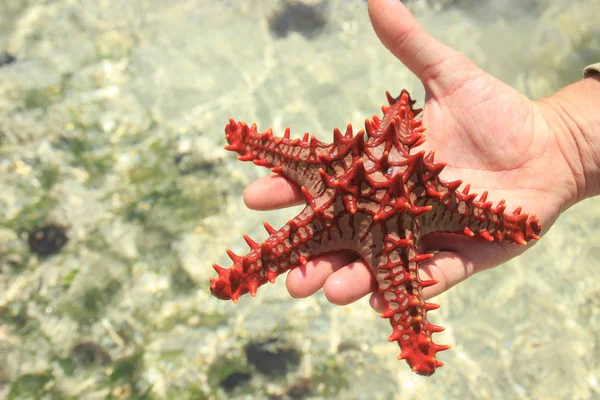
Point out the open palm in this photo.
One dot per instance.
(487, 133)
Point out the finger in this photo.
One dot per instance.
(431, 61)
(377, 302)
(272, 192)
(306, 280)
(349, 284)
(448, 269)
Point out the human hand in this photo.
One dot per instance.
(483, 130)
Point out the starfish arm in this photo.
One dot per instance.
(282, 250)
(296, 159)
(391, 138)
(302, 161)
(300, 239)
(399, 283)
(323, 226)
(462, 212)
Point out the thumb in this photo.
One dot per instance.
(435, 64)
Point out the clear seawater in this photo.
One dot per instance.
(111, 129)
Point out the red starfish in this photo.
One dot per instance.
(373, 195)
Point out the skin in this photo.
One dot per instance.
(543, 155)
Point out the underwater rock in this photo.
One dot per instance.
(89, 353)
(305, 17)
(47, 240)
(272, 356)
(189, 163)
(6, 59)
(234, 380)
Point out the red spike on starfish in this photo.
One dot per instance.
(483, 197)
(421, 257)
(373, 194)
(348, 134)
(390, 99)
(518, 210)
(338, 138)
(467, 231)
(220, 270)
(251, 243)
(428, 283)
(486, 235)
(234, 257)
(269, 228)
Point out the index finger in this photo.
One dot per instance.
(272, 192)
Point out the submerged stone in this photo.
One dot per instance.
(47, 240)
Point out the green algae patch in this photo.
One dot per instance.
(33, 386)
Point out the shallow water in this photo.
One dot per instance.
(111, 127)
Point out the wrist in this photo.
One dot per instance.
(573, 114)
